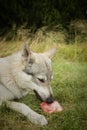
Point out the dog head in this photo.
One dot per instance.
(38, 66)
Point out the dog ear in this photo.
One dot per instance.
(51, 52)
(26, 51)
(27, 54)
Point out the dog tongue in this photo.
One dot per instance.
(51, 108)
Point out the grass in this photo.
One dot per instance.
(69, 86)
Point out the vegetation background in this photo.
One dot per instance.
(45, 24)
(37, 13)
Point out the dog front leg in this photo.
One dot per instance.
(26, 111)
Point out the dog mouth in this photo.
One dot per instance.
(49, 100)
(38, 96)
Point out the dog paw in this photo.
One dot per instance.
(38, 120)
(42, 120)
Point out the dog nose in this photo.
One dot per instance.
(49, 99)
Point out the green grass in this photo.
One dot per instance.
(69, 86)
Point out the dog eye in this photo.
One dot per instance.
(41, 80)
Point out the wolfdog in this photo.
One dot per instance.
(23, 72)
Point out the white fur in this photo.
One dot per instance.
(15, 83)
